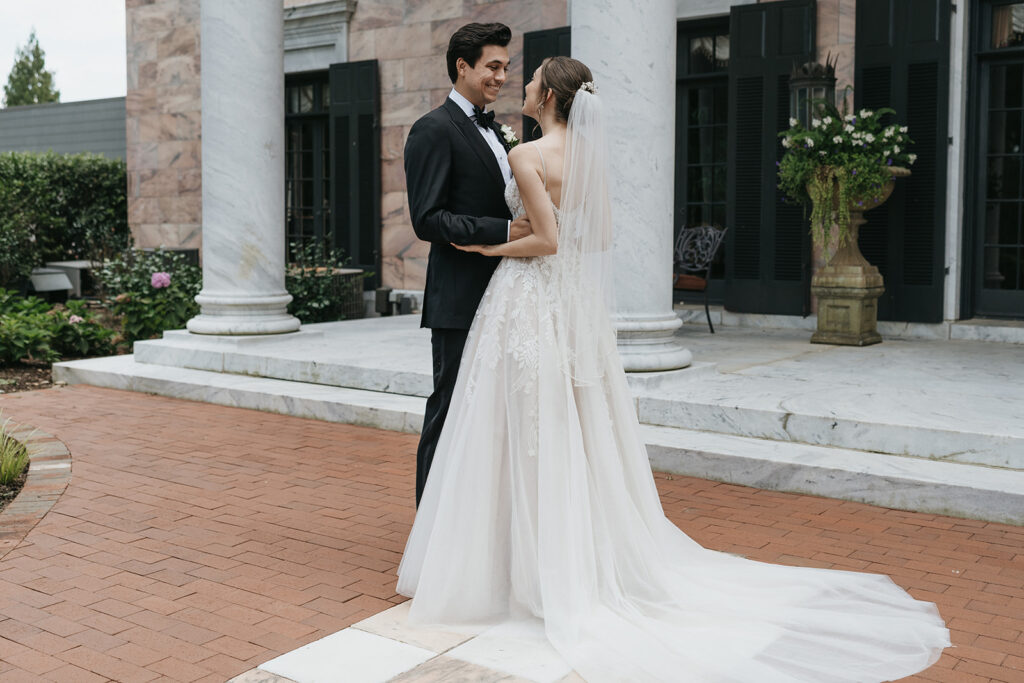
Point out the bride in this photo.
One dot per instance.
(541, 505)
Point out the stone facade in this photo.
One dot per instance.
(162, 113)
(409, 38)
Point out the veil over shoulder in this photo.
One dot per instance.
(541, 504)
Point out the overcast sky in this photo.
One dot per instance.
(84, 41)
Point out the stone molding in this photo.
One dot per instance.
(316, 35)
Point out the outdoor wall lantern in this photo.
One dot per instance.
(809, 83)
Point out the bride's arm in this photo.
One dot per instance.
(544, 240)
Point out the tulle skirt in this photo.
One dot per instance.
(541, 504)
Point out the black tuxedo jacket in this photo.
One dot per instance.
(456, 195)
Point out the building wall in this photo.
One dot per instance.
(95, 126)
(163, 123)
(410, 39)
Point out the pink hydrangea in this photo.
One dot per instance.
(75, 319)
(160, 280)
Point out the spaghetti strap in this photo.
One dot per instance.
(543, 166)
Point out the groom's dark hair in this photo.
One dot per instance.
(468, 42)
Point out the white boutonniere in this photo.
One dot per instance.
(510, 136)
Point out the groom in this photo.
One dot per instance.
(456, 168)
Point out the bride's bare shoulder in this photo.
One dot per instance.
(520, 154)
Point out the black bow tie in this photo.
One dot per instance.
(483, 118)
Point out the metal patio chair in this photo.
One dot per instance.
(694, 253)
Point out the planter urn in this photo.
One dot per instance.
(848, 287)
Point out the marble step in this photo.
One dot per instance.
(378, 354)
(903, 483)
(858, 407)
(909, 483)
(393, 412)
(906, 418)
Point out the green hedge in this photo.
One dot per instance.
(57, 207)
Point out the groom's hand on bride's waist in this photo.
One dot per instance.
(519, 228)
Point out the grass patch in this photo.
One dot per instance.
(13, 456)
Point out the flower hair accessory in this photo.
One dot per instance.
(589, 87)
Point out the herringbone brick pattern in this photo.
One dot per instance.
(195, 542)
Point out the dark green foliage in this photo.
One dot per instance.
(29, 82)
(146, 311)
(853, 151)
(318, 294)
(31, 330)
(59, 207)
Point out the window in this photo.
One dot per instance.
(702, 125)
(307, 162)
(1008, 25)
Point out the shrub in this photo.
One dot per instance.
(318, 295)
(26, 331)
(77, 332)
(152, 291)
(58, 207)
(31, 330)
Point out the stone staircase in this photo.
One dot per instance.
(925, 426)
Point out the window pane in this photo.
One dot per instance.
(325, 90)
(721, 52)
(702, 55)
(307, 165)
(1004, 132)
(1004, 178)
(1005, 86)
(306, 98)
(1002, 267)
(700, 103)
(1008, 25)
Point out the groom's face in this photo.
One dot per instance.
(480, 84)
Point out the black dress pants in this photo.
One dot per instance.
(447, 348)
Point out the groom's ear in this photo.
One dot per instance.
(460, 64)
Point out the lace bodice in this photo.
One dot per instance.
(515, 201)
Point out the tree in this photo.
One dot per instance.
(29, 82)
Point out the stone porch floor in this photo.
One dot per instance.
(197, 542)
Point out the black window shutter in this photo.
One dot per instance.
(538, 46)
(902, 61)
(767, 247)
(355, 161)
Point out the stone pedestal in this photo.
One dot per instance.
(242, 77)
(632, 52)
(848, 289)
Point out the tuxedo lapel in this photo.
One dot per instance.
(496, 127)
(467, 127)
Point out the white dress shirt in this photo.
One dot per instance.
(489, 136)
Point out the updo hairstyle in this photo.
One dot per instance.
(563, 76)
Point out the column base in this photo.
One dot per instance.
(649, 344)
(234, 315)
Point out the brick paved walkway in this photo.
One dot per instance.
(195, 542)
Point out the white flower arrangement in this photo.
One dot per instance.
(854, 149)
(510, 135)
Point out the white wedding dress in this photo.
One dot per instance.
(541, 504)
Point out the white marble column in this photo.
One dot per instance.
(631, 48)
(242, 78)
